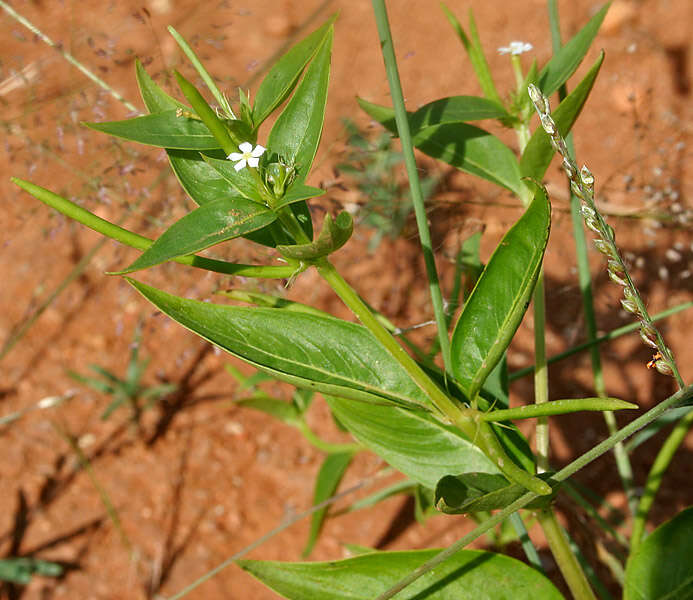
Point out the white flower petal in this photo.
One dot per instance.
(234, 156)
(253, 162)
(259, 151)
(245, 147)
(239, 165)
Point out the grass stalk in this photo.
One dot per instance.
(388, 51)
(623, 466)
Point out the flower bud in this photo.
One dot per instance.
(616, 272)
(630, 306)
(648, 335)
(586, 176)
(587, 212)
(663, 368)
(576, 189)
(569, 168)
(548, 124)
(604, 247)
(540, 101)
(593, 225)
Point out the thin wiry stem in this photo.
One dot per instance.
(66, 55)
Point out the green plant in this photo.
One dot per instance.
(128, 390)
(448, 429)
(372, 165)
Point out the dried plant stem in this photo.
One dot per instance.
(66, 55)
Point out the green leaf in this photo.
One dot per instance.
(335, 233)
(199, 67)
(413, 442)
(320, 353)
(500, 298)
(213, 123)
(20, 570)
(463, 146)
(298, 191)
(467, 575)
(296, 133)
(163, 129)
(242, 181)
(563, 64)
(661, 567)
(475, 53)
(539, 151)
(559, 407)
(155, 99)
(326, 483)
(285, 412)
(200, 181)
(282, 77)
(196, 177)
(457, 109)
(475, 492)
(206, 226)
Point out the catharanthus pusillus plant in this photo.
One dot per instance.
(446, 426)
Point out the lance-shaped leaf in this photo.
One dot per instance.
(155, 99)
(242, 181)
(475, 53)
(463, 146)
(319, 353)
(200, 181)
(282, 77)
(167, 129)
(475, 492)
(413, 442)
(538, 153)
(196, 177)
(467, 575)
(326, 483)
(563, 64)
(334, 234)
(456, 109)
(206, 226)
(500, 297)
(298, 191)
(296, 133)
(661, 566)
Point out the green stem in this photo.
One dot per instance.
(206, 77)
(600, 449)
(401, 118)
(541, 375)
(564, 557)
(134, 240)
(444, 404)
(467, 420)
(556, 407)
(612, 335)
(654, 478)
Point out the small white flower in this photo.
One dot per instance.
(515, 47)
(247, 156)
